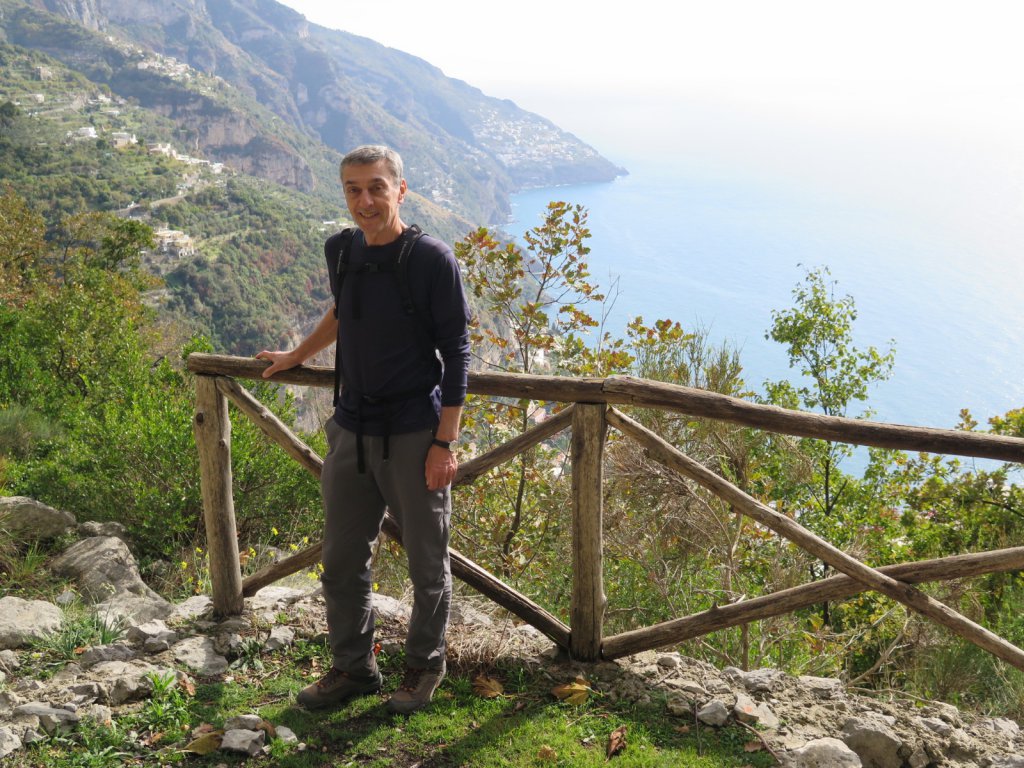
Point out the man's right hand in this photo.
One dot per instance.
(279, 361)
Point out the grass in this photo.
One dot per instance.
(22, 572)
(527, 726)
(81, 628)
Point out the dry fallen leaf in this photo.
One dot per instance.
(753, 746)
(573, 693)
(487, 687)
(207, 743)
(187, 685)
(547, 754)
(616, 741)
(151, 738)
(203, 728)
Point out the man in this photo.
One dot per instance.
(398, 412)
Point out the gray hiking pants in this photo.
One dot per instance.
(354, 506)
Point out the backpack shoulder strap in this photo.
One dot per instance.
(336, 249)
(412, 236)
(424, 324)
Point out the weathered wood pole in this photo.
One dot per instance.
(900, 591)
(213, 439)
(588, 598)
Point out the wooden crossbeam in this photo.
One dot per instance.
(628, 390)
(902, 592)
(786, 601)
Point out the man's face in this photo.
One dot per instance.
(373, 199)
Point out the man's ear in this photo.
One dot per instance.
(402, 189)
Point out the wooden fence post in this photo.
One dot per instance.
(213, 439)
(588, 598)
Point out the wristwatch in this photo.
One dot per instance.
(446, 444)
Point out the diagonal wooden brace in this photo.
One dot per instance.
(904, 593)
(467, 570)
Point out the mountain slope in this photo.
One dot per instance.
(464, 150)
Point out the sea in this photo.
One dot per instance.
(931, 258)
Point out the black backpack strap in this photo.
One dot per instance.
(425, 326)
(336, 250)
(412, 236)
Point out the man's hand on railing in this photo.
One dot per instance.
(279, 361)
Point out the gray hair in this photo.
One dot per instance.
(368, 154)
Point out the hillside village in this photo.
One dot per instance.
(90, 115)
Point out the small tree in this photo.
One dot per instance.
(533, 317)
(818, 334)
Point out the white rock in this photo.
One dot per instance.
(714, 713)
(125, 681)
(387, 607)
(763, 680)
(52, 719)
(874, 742)
(8, 701)
(243, 722)
(112, 652)
(286, 735)
(9, 660)
(937, 725)
(190, 609)
(824, 753)
(243, 740)
(1004, 726)
(464, 613)
(744, 709)
(199, 655)
(139, 633)
(821, 687)
(274, 598)
(749, 711)
(685, 685)
(22, 621)
(26, 519)
(9, 741)
(280, 637)
(918, 758)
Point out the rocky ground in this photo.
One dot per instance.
(805, 722)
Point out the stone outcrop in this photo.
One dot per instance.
(806, 722)
(23, 621)
(107, 575)
(25, 519)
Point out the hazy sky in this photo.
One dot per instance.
(600, 72)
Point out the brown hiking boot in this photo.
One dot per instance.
(337, 686)
(416, 690)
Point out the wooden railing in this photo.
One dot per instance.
(590, 414)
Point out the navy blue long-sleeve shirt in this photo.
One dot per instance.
(381, 349)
